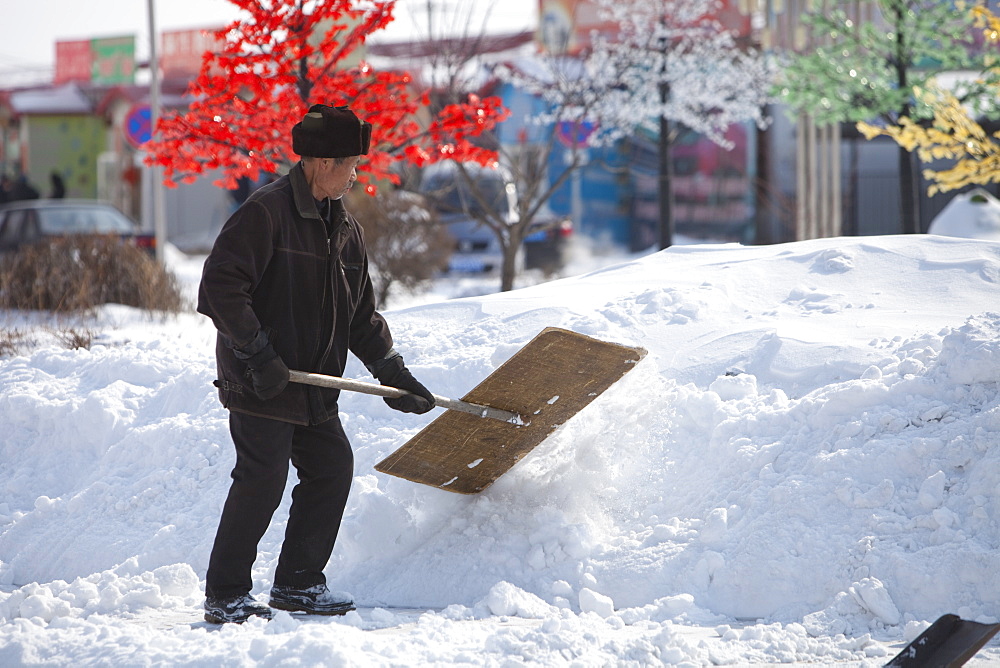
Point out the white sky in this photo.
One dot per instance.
(30, 29)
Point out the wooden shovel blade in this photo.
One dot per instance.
(547, 382)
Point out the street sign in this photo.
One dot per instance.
(575, 134)
(139, 125)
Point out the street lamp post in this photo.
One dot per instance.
(159, 222)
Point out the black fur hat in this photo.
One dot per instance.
(331, 132)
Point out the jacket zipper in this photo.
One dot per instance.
(328, 286)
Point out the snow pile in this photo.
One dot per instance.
(803, 468)
(970, 215)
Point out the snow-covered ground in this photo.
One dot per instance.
(803, 469)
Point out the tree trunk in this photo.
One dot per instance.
(665, 192)
(763, 224)
(909, 204)
(509, 269)
(305, 84)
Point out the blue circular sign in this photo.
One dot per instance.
(575, 134)
(139, 125)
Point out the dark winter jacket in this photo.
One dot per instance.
(274, 269)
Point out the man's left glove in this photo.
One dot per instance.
(268, 373)
(392, 371)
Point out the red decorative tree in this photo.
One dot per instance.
(282, 57)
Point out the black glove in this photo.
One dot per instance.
(392, 372)
(268, 373)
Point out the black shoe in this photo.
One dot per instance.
(234, 610)
(316, 600)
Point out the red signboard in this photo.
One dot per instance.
(104, 60)
(74, 61)
(566, 26)
(181, 50)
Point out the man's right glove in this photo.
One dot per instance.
(392, 371)
(268, 373)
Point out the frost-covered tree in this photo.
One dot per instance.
(459, 66)
(671, 59)
(668, 61)
(671, 62)
(562, 85)
(450, 56)
(867, 71)
(952, 134)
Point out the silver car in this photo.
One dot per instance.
(31, 220)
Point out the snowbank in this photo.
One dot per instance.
(805, 464)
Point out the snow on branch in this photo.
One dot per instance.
(667, 58)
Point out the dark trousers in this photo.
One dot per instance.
(324, 462)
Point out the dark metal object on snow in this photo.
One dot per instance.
(947, 643)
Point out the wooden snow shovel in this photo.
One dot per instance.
(538, 389)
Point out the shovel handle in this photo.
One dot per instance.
(322, 380)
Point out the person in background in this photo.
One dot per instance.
(287, 286)
(58, 185)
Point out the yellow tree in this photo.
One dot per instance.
(952, 134)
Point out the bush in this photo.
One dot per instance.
(12, 341)
(407, 245)
(78, 273)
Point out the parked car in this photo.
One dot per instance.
(28, 221)
(547, 245)
(477, 248)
